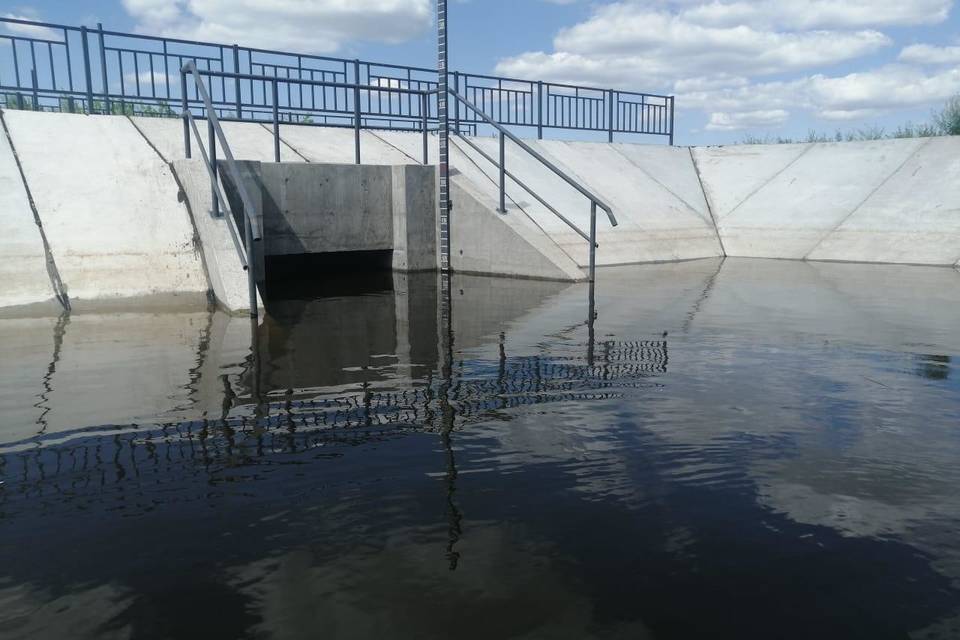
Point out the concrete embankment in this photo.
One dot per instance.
(109, 208)
(94, 213)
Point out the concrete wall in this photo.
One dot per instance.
(108, 224)
(895, 201)
(326, 208)
(109, 207)
(24, 281)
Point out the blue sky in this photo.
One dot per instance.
(738, 67)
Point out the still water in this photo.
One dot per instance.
(736, 449)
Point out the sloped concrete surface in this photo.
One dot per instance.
(226, 274)
(23, 270)
(879, 201)
(109, 208)
(913, 217)
(247, 140)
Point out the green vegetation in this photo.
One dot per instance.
(946, 122)
(22, 101)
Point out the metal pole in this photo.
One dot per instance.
(103, 70)
(503, 173)
(610, 115)
(444, 126)
(36, 94)
(356, 110)
(539, 110)
(184, 113)
(236, 69)
(593, 241)
(456, 103)
(86, 68)
(423, 124)
(276, 122)
(212, 142)
(672, 107)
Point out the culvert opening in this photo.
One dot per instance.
(323, 275)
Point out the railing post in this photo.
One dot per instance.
(672, 107)
(84, 40)
(36, 94)
(456, 103)
(356, 110)
(503, 173)
(103, 70)
(593, 240)
(610, 112)
(276, 122)
(212, 143)
(236, 81)
(423, 124)
(539, 110)
(251, 263)
(184, 113)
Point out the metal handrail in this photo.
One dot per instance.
(595, 200)
(252, 231)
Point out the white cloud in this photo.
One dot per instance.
(624, 40)
(720, 121)
(846, 97)
(930, 54)
(309, 26)
(819, 14)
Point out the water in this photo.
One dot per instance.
(750, 449)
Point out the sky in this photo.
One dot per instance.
(739, 68)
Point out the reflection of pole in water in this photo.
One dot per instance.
(447, 419)
(591, 318)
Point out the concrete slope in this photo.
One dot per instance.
(655, 194)
(913, 217)
(225, 272)
(484, 241)
(247, 140)
(23, 270)
(792, 211)
(109, 206)
(336, 145)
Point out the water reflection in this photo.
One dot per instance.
(737, 449)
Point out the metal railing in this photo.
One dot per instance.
(251, 227)
(55, 67)
(503, 136)
(354, 103)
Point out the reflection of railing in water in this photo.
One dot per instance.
(80, 461)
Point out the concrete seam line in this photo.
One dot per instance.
(661, 185)
(56, 282)
(867, 198)
(772, 178)
(390, 144)
(517, 204)
(144, 136)
(286, 144)
(706, 199)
